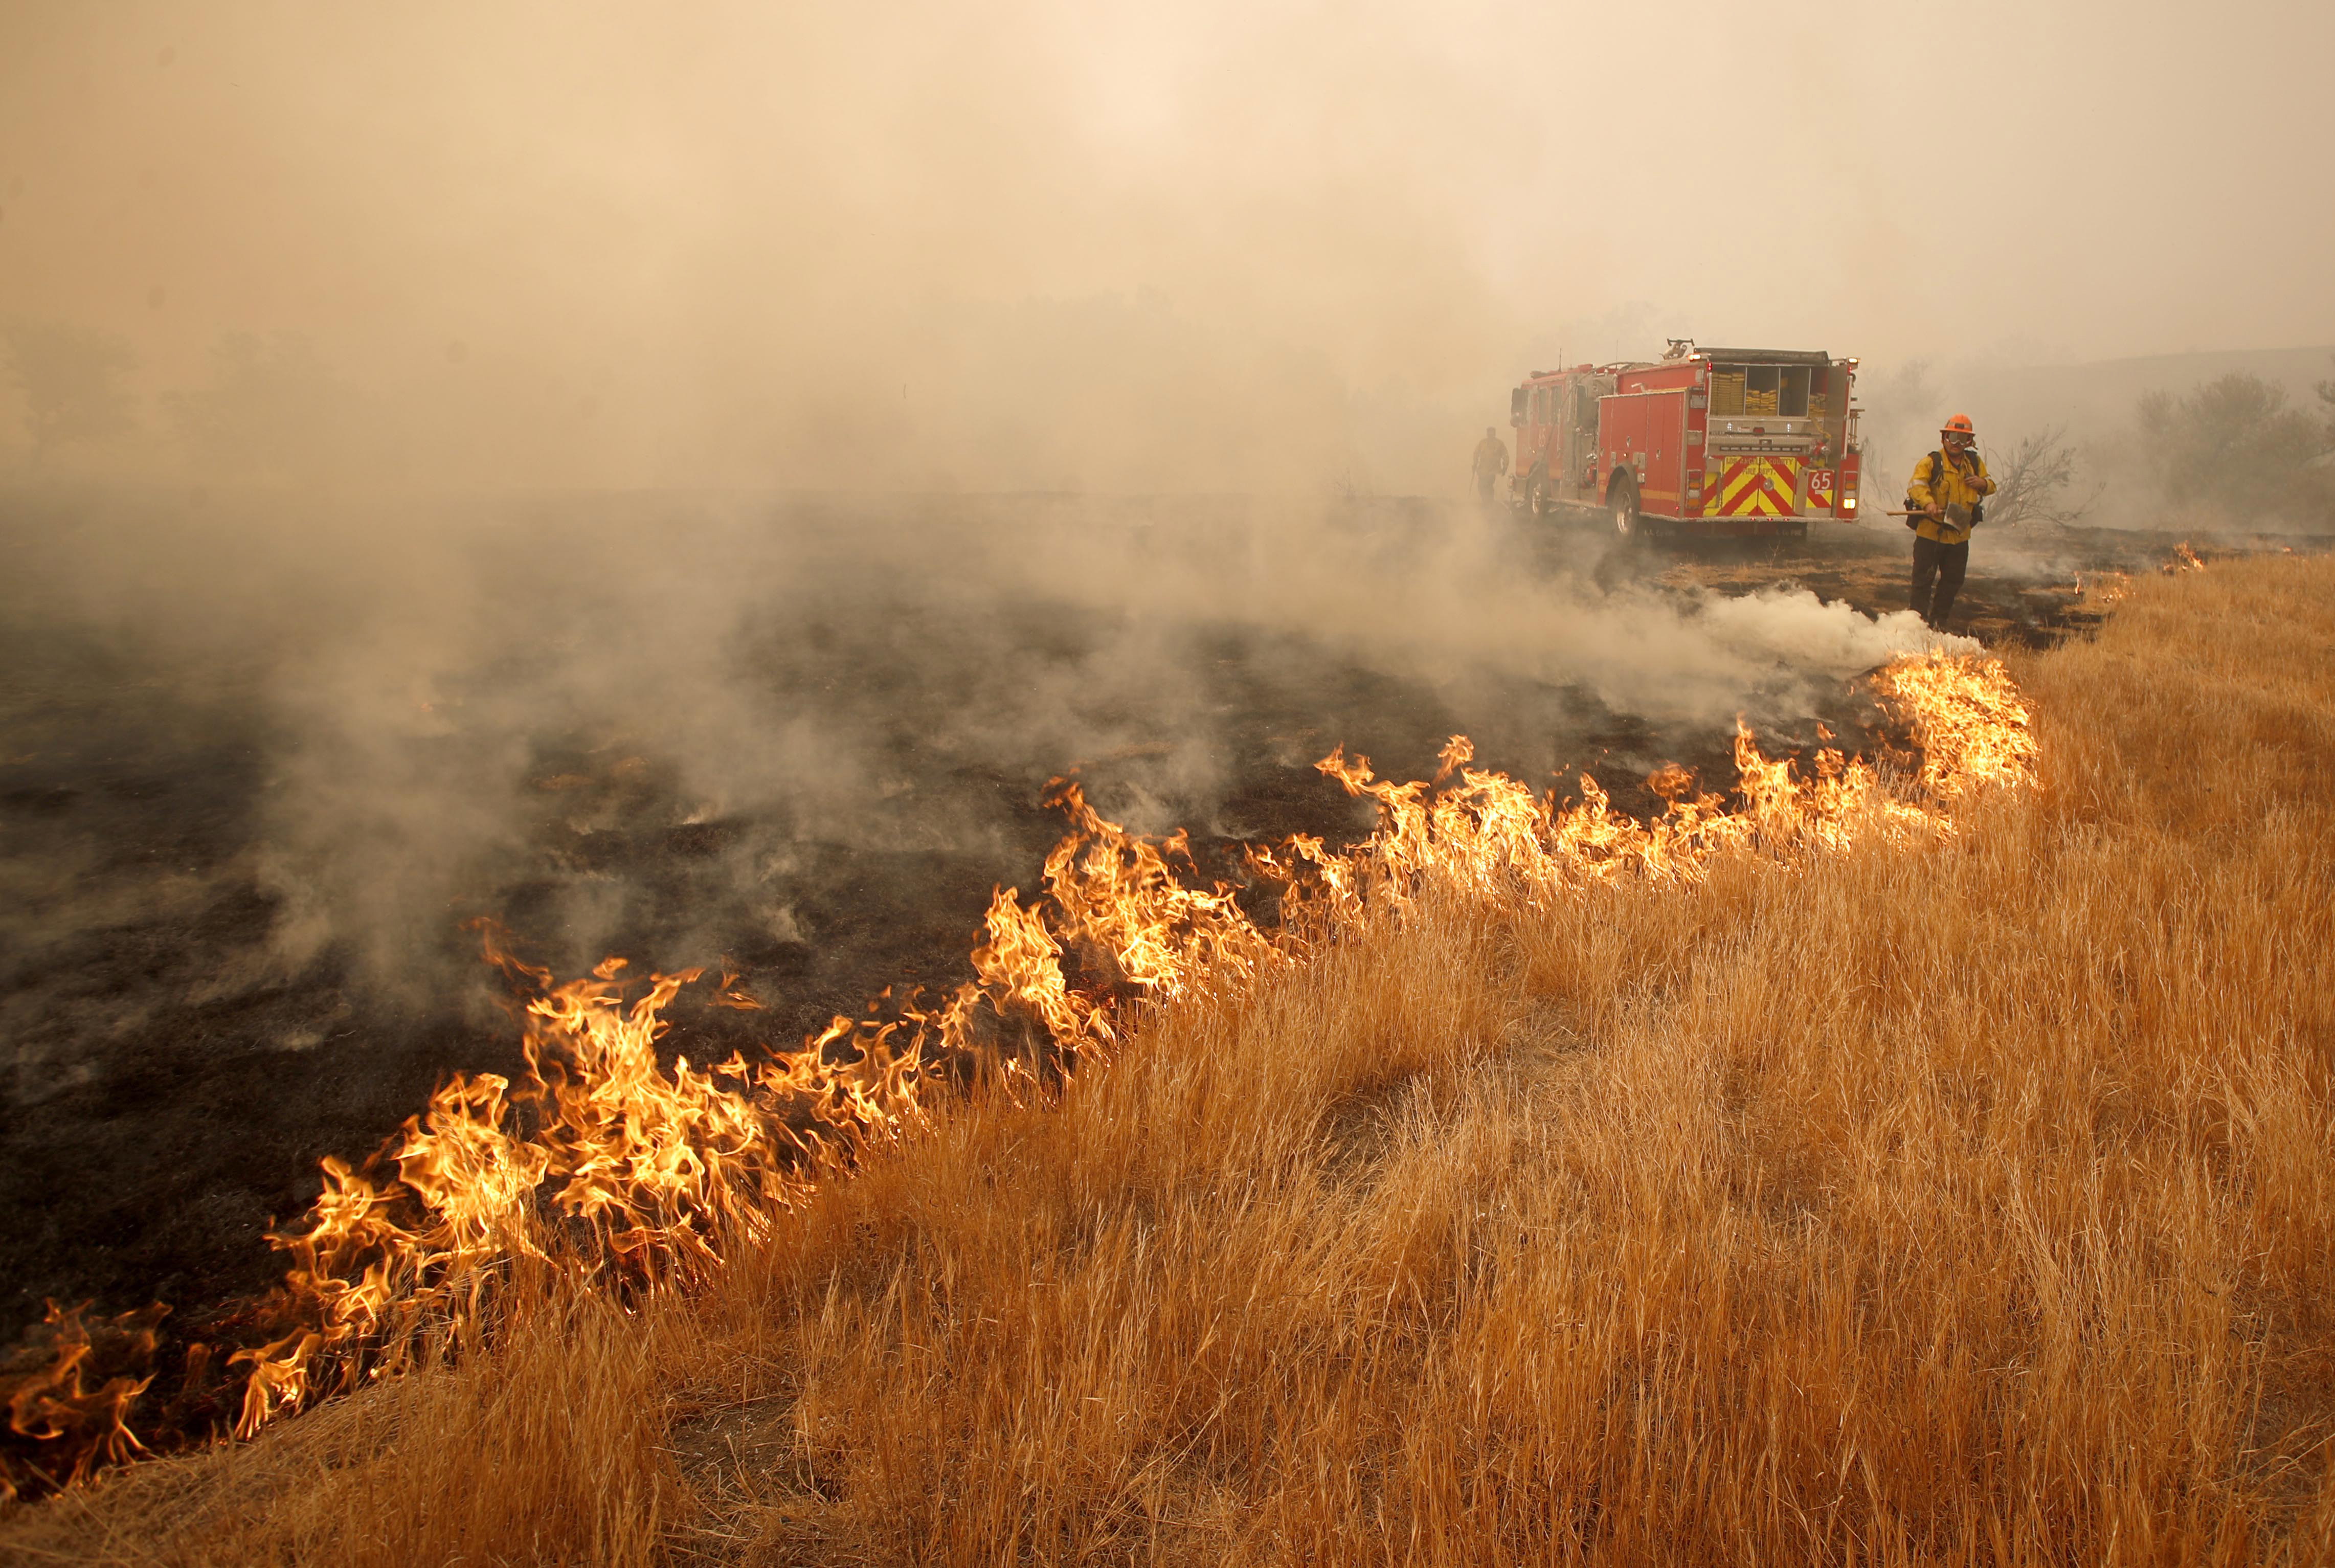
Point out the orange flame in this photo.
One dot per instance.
(49, 1398)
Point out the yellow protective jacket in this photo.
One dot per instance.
(1939, 480)
(1491, 456)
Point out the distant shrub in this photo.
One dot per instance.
(2038, 482)
(2234, 445)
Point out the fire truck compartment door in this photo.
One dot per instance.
(1645, 432)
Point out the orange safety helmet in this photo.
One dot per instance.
(1959, 425)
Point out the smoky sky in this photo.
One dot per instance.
(1204, 246)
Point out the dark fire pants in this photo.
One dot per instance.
(1937, 578)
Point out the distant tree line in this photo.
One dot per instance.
(70, 380)
(274, 411)
(2235, 446)
(271, 412)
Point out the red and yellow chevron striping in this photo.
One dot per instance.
(1755, 486)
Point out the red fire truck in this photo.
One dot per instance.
(1719, 441)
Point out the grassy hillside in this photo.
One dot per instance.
(1964, 1197)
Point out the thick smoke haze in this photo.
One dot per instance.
(1200, 249)
(422, 692)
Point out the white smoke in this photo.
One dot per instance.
(1441, 593)
(1793, 626)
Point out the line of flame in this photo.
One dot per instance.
(602, 1157)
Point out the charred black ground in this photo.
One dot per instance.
(192, 1021)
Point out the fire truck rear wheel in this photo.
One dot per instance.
(1622, 500)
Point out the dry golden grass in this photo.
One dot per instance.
(1960, 1203)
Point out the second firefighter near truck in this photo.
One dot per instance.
(1490, 463)
(1944, 501)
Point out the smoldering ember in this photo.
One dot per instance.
(794, 790)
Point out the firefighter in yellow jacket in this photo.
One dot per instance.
(1943, 501)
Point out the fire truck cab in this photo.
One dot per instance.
(1712, 442)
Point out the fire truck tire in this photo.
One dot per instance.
(1622, 504)
(1538, 498)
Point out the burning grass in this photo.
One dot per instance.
(1939, 1170)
